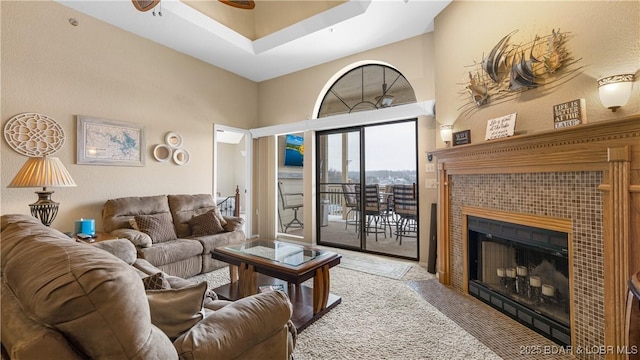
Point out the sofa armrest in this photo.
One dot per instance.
(137, 238)
(237, 327)
(123, 249)
(233, 223)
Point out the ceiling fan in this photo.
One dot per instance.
(242, 4)
(145, 5)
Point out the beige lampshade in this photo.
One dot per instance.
(42, 172)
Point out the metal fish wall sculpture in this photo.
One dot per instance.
(509, 69)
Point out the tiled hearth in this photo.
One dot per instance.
(569, 195)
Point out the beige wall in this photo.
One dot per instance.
(292, 98)
(604, 34)
(95, 69)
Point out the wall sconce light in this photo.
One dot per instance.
(446, 133)
(615, 90)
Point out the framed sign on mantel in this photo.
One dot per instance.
(462, 137)
(109, 142)
(501, 127)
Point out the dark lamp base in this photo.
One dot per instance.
(44, 209)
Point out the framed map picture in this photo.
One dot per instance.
(108, 142)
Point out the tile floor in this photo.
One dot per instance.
(506, 337)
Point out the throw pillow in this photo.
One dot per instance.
(156, 281)
(205, 224)
(158, 226)
(175, 311)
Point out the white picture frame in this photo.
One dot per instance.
(109, 142)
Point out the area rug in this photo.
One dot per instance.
(375, 266)
(379, 318)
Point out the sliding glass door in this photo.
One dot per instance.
(361, 171)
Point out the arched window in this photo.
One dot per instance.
(367, 87)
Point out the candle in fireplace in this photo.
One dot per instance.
(511, 272)
(521, 270)
(500, 272)
(548, 290)
(535, 281)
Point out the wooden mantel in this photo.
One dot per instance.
(612, 147)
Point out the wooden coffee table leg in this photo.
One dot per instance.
(233, 273)
(248, 280)
(321, 284)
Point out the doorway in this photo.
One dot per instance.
(232, 171)
(367, 188)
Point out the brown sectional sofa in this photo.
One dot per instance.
(185, 255)
(63, 299)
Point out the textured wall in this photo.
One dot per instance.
(603, 35)
(95, 69)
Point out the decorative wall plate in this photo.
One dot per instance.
(162, 152)
(181, 156)
(33, 134)
(173, 139)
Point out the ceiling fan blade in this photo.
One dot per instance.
(242, 4)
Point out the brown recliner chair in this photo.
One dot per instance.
(76, 301)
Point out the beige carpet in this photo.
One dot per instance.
(379, 318)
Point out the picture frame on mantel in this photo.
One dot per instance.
(501, 127)
(462, 137)
(109, 142)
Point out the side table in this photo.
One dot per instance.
(99, 236)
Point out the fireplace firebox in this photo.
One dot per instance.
(522, 271)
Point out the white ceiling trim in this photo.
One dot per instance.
(400, 112)
(310, 25)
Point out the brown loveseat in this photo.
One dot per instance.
(63, 299)
(176, 251)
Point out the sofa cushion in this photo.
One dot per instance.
(185, 207)
(171, 251)
(159, 227)
(116, 213)
(156, 281)
(73, 286)
(24, 338)
(205, 224)
(175, 311)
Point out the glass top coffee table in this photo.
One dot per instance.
(271, 263)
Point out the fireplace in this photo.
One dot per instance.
(588, 175)
(522, 271)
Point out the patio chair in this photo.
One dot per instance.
(350, 201)
(291, 201)
(405, 207)
(373, 212)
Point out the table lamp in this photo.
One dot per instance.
(43, 172)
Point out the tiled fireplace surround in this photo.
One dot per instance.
(589, 175)
(569, 195)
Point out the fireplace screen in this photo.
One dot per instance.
(522, 271)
